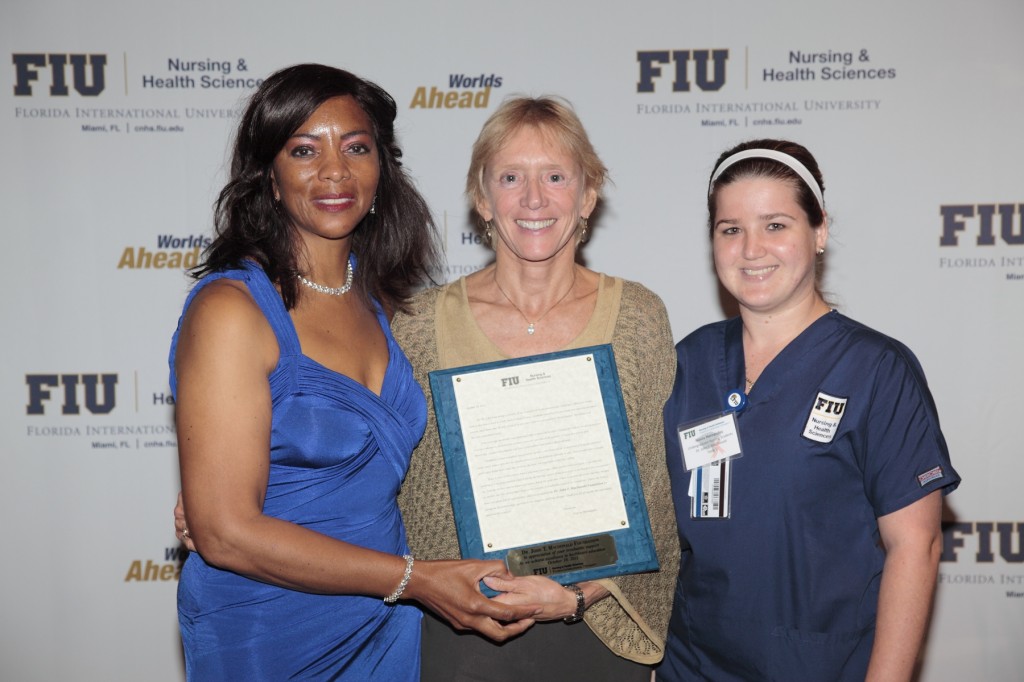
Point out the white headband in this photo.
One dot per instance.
(782, 158)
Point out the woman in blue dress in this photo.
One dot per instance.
(296, 412)
(805, 454)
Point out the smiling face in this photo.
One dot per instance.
(326, 174)
(534, 195)
(764, 245)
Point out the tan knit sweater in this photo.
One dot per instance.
(633, 621)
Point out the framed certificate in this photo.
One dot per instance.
(541, 465)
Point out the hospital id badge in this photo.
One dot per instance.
(709, 441)
(711, 491)
(708, 447)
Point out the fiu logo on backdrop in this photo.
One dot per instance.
(704, 69)
(989, 539)
(87, 73)
(96, 392)
(464, 92)
(987, 221)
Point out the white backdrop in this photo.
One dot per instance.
(116, 119)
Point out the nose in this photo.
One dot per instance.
(333, 166)
(753, 247)
(533, 196)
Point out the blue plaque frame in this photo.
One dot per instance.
(634, 545)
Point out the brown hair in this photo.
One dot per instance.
(757, 167)
(761, 167)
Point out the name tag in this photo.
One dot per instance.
(709, 441)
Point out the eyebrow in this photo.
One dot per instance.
(763, 216)
(767, 216)
(345, 136)
(523, 168)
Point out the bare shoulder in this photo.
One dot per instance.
(224, 322)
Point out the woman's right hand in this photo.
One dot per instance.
(451, 589)
(448, 588)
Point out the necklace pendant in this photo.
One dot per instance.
(530, 329)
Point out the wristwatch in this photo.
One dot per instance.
(581, 604)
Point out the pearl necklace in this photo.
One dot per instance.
(331, 291)
(530, 328)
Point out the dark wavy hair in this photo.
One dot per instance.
(396, 247)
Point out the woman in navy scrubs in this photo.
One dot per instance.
(805, 453)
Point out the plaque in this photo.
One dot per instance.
(541, 467)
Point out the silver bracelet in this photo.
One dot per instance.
(581, 604)
(393, 597)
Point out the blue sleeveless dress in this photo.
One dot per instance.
(338, 454)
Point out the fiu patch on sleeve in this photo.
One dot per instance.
(823, 422)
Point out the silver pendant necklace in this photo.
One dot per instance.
(531, 326)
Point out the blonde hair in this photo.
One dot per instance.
(549, 114)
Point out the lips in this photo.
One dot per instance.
(334, 202)
(759, 272)
(535, 224)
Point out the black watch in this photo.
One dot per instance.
(581, 604)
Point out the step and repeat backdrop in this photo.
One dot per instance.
(116, 119)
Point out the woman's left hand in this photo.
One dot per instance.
(557, 601)
(181, 526)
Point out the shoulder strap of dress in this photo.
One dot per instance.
(266, 297)
(270, 302)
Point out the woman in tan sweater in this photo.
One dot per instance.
(534, 181)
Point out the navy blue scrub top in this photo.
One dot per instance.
(787, 588)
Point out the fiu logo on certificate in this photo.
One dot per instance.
(706, 68)
(87, 73)
(823, 422)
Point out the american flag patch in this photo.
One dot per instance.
(929, 476)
